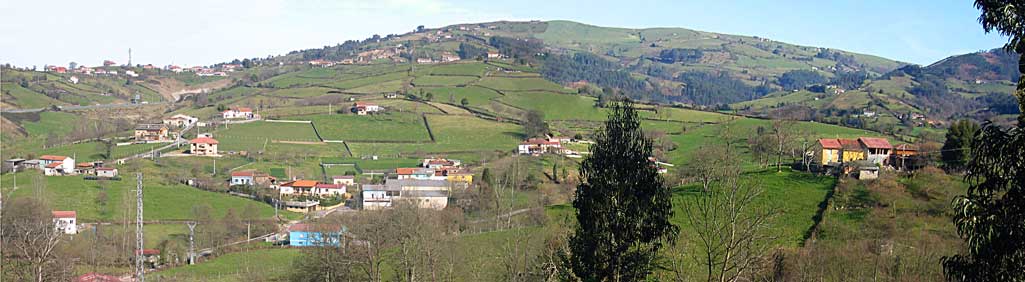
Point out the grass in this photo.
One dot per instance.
(268, 264)
(469, 69)
(387, 127)
(25, 98)
(474, 95)
(162, 201)
(556, 106)
(521, 84)
(453, 134)
(443, 80)
(262, 130)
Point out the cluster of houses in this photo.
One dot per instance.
(539, 146)
(55, 165)
(107, 69)
(864, 155)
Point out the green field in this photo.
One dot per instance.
(453, 134)
(424, 81)
(556, 106)
(263, 264)
(469, 69)
(262, 130)
(521, 84)
(162, 201)
(384, 127)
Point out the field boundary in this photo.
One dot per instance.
(819, 215)
(428, 125)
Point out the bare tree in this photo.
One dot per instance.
(32, 236)
(782, 132)
(731, 233)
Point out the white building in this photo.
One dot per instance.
(56, 165)
(108, 172)
(180, 120)
(66, 221)
(241, 112)
(429, 194)
(344, 180)
(537, 146)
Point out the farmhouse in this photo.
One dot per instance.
(85, 168)
(364, 108)
(537, 146)
(344, 180)
(203, 146)
(106, 172)
(328, 189)
(297, 187)
(449, 57)
(180, 120)
(151, 132)
(251, 177)
(238, 113)
(878, 150)
(431, 194)
(56, 165)
(416, 173)
(458, 176)
(828, 152)
(305, 235)
(65, 221)
(494, 55)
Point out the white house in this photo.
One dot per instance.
(109, 172)
(364, 108)
(328, 190)
(56, 165)
(419, 173)
(180, 120)
(537, 146)
(65, 221)
(73, 79)
(344, 180)
(440, 163)
(236, 113)
(432, 194)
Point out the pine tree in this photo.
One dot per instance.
(623, 205)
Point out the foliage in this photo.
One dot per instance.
(797, 79)
(534, 124)
(990, 217)
(680, 55)
(956, 149)
(623, 206)
(709, 89)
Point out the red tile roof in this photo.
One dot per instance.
(906, 147)
(244, 110)
(64, 214)
(52, 158)
(875, 143)
(301, 183)
(54, 165)
(539, 141)
(404, 170)
(830, 143)
(243, 173)
(203, 140)
(84, 165)
(850, 144)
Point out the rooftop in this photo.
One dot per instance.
(875, 143)
(301, 183)
(203, 140)
(53, 158)
(64, 214)
(830, 143)
(150, 126)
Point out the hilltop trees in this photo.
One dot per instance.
(623, 206)
(959, 141)
(990, 217)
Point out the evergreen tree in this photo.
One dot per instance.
(622, 205)
(956, 148)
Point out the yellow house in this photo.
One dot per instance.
(828, 151)
(460, 176)
(852, 150)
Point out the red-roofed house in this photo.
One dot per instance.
(108, 172)
(878, 150)
(537, 146)
(328, 190)
(297, 187)
(237, 113)
(65, 165)
(65, 221)
(828, 151)
(203, 146)
(364, 108)
(251, 177)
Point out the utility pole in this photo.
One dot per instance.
(129, 57)
(139, 266)
(192, 242)
(215, 167)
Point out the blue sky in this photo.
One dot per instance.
(202, 32)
